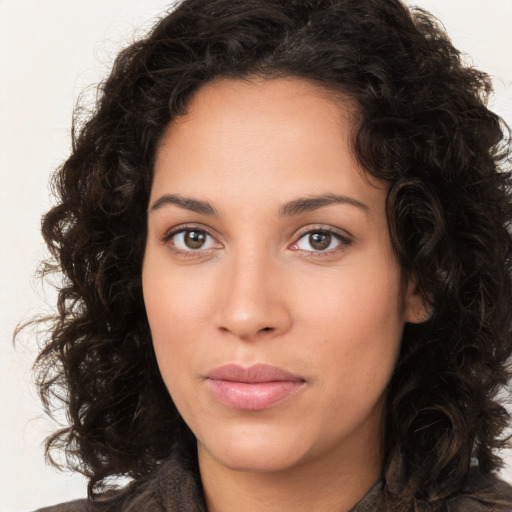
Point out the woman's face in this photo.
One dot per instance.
(275, 302)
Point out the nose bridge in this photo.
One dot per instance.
(252, 301)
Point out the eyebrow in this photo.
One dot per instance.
(187, 203)
(295, 207)
(308, 204)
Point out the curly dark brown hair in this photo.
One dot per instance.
(422, 126)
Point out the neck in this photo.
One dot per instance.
(318, 485)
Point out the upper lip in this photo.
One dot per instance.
(253, 374)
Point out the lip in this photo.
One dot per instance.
(254, 388)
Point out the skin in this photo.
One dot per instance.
(260, 291)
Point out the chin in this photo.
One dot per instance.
(259, 452)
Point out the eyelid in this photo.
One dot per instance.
(344, 238)
(172, 232)
(184, 227)
(312, 228)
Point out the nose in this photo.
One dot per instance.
(252, 303)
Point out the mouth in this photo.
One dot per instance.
(254, 388)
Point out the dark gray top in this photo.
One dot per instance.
(174, 487)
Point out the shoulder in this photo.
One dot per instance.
(112, 504)
(479, 492)
(70, 506)
(482, 492)
(172, 485)
(114, 501)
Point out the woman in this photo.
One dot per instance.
(284, 236)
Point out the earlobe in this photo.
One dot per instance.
(417, 308)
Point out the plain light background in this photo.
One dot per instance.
(50, 51)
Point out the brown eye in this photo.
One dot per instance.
(194, 239)
(190, 240)
(320, 241)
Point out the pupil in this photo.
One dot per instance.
(194, 239)
(320, 241)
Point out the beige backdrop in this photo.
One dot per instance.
(50, 50)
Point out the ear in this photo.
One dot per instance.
(417, 308)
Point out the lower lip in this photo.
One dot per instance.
(253, 396)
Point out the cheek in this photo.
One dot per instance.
(177, 305)
(169, 291)
(357, 322)
(354, 301)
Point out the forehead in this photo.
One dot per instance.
(273, 98)
(257, 115)
(247, 137)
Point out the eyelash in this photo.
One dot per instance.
(344, 241)
(182, 229)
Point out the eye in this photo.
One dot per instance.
(190, 240)
(320, 240)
